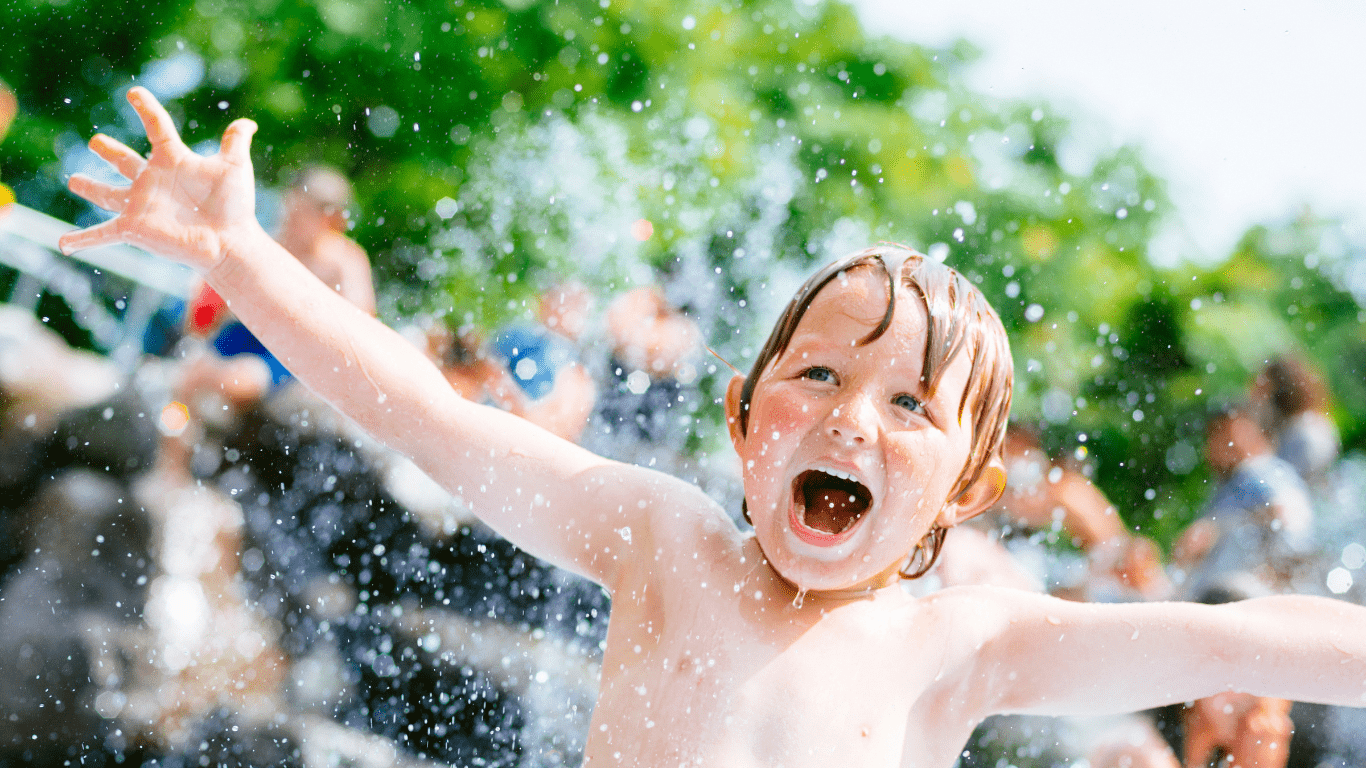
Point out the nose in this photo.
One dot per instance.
(852, 420)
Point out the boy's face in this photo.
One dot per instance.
(848, 461)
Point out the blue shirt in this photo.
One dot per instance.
(1250, 539)
(534, 355)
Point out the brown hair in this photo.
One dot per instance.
(959, 319)
(1295, 387)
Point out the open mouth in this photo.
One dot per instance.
(828, 505)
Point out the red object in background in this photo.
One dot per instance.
(207, 309)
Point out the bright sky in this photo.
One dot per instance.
(1250, 110)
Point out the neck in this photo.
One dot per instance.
(867, 591)
(884, 583)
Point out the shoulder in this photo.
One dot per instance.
(962, 636)
(982, 602)
(684, 520)
(666, 525)
(991, 618)
(340, 251)
(966, 617)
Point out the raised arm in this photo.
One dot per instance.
(547, 495)
(1048, 656)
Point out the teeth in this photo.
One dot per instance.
(838, 474)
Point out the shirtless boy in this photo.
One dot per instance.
(860, 441)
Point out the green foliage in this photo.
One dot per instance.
(498, 146)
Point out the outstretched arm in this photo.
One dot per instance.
(1049, 656)
(547, 495)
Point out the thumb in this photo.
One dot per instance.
(237, 141)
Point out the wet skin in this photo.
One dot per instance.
(724, 654)
(708, 659)
(830, 403)
(719, 667)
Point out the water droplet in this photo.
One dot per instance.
(1339, 580)
(799, 598)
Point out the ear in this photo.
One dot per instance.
(733, 390)
(978, 497)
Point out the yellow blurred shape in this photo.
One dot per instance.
(958, 171)
(175, 417)
(1039, 241)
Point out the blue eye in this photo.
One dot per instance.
(819, 373)
(909, 402)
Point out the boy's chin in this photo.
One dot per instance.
(814, 576)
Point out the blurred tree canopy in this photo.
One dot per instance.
(721, 148)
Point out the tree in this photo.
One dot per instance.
(497, 146)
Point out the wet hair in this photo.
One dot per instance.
(959, 320)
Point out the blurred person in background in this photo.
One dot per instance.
(650, 380)
(553, 390)
(316, 217)
(312, 230)
(1043, 494)
(1249, 541)
(650, 336)
(489, 375)
(1292, 403)
(467, 365)
(1256, 526)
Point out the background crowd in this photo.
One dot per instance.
(564, 205)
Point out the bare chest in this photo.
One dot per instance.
(732, 684)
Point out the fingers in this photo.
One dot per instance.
(117, 154)
(155, 119)
(236, 146)
(105, 196)
(100, 234)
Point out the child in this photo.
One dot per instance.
(313, 229)
(870, 425)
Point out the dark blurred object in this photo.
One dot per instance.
(114, 437)
(84, 572)
(353, 577)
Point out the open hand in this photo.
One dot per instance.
(180, 205)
